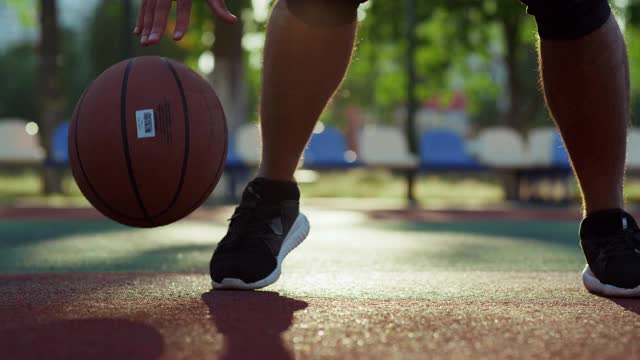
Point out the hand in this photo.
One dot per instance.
(152, 19)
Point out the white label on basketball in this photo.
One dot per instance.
(146, 123)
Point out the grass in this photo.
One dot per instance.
(23, 188)
(384, 185)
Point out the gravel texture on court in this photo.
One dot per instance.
(362, 286)
(529, 315)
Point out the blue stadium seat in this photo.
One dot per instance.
(60, 144)
(327, 149)
(237, 171)
(233, 159)
(559, 156)
(444, 149)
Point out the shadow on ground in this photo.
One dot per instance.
(82, 339)
(632, 305)
(32, 246)
(30, 232)
(103, 246)
(252, 322)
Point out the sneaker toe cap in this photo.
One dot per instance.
(623, 273)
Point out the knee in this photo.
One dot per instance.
(324, 12)
(568, 19)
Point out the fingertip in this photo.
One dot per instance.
(154, 37)
(231, 19)
(178, 35)
(136, 30)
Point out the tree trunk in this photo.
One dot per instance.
(514, 115)
(50, 90)
(228, 77)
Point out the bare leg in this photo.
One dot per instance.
(586, 85)
(305, 60)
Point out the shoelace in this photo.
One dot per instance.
(246, 219)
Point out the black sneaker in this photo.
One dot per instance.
(611, 246)
(264, 228)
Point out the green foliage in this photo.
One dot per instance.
(461, 45)
(18, 88)
(25, 10)
(633, 34)
(110, 35)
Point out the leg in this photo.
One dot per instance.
(586, 85)
(307, 51)
(308, 48)
(585, 73)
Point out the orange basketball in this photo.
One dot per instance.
(148, 142)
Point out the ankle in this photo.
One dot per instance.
(274, 191)
(271, 175)
(604, 200)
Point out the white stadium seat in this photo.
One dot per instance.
(16, 145)
(248, 144)
(385, 146)
(540, 143)
(633, 149)
(546, 149)
(501, 147)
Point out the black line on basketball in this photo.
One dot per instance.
(187, 145)
(125, 141)
(83, 171)
(221, 165)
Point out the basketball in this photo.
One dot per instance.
(147, 141)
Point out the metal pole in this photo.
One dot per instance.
(410, 13)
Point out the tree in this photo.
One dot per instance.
(229, 75)
(51, 101)
(20, 94)
(462, 39)
(108, 44)
(205, 34)
(632, 29)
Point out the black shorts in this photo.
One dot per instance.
(565, 19)
(568, 19)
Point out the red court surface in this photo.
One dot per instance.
(174, 316)
(365, 285)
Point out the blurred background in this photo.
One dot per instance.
(441, 106)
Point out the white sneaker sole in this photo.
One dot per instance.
(594, 285)
(295, 237)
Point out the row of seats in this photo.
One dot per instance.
(439, 149)
(379, 146)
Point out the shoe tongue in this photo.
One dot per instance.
(271, 191)
(607, 223)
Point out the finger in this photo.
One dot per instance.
(147, 22)
(220, 9)
(159, 20)
(183, 16)
(140, 19)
